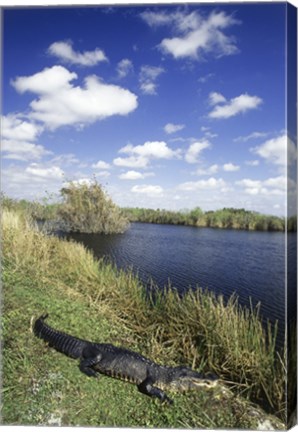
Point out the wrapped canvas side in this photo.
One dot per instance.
(291, 252)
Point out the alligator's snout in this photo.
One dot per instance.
(188, 379)
(202, 382)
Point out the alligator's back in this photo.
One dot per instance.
(62, 342)
(122, 363)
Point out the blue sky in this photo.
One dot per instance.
(167, 106)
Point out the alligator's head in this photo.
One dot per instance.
(185, 379)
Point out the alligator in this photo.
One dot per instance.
(151, 378)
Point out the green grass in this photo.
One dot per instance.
(92, 300)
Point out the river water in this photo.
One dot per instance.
(249, 263)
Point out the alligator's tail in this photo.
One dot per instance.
(62, 342)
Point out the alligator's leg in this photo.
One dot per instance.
(148, 389)
(86, 365)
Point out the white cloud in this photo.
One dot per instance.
(196, 36)
(237, 105)
(101, 165)
(208, 133)
(213, 169)
(148, 77)
(67, 159)
(124, 67)
(46, 173)
(14, 127)
(140, 155)
(231, 167)
(21, 183)
(65, 52)
(172, 128)
(156, 18)
(271, 186)
(17, 139)
(253, 135)
(60, 103)
(216, 98)
(277, 150)
(134, 175)
(279, 182)
(132, 162)
(151, 149)
(249, 183)
(211, 135)
(211, 183)
(149, 190)
(47, 81)
(194, 150)
(22, 150)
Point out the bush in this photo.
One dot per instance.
(86, 208)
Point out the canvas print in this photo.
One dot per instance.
(149, 215)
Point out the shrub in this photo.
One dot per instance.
(86, 208)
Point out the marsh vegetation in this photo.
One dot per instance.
(92, 299)
(230, 218)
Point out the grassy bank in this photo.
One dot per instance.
(93, 300)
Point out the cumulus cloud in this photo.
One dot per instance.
(18, 138)
(270, 186)
(134, 175)
(151, 149)
(64, 51)
(148, 77)
(172, 128)
(211, 183)
(278, 151)
(124, 67)
(213, 169)
(101, 165)
(148, 190)
(194, 150)
(48, 81)
(140, 155)
(16, 128)
(131, 162)
(231, 167)
(61, 103)
(22, 150)
(195, 35)
(216, 98)
(53, 172)
(240, 104)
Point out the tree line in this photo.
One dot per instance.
(224, 218)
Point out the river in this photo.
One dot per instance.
(249, 263)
